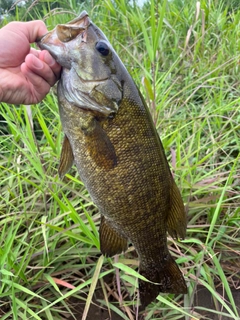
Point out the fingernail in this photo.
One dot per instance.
(37, 63)
(49, 59)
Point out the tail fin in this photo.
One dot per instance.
(168, 277)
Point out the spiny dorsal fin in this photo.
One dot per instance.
(66, 158)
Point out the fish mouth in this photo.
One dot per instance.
(47, 40)
(55, 39)
(77, 26)
(52, 44)
(39, 39)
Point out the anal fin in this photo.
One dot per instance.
(177, 218)
(111, 242)
(66, 158)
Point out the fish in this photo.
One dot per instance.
(110, 136)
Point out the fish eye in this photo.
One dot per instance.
(102, 47)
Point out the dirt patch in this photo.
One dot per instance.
(203, 298)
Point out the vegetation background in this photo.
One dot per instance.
(185, 57)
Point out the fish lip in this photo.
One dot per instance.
(49, 45)
(40, 38)
(39, 41)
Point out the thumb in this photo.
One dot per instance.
(32, 30)
(35, 29)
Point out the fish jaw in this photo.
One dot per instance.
(51, 43)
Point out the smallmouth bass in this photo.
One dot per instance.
(111, 138)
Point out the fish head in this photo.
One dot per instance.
(92, 72)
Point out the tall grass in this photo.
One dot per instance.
(184, 55)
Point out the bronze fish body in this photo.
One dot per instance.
(111, 138)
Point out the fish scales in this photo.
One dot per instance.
(137, 167)
(111, 138)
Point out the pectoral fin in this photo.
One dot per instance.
(177, 219)
(99, 145)
(66, 158)
(111, 242)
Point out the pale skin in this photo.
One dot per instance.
(26, 74)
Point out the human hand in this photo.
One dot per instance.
(26, 74)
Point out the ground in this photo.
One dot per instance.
(203, 299)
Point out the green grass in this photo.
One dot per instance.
(185, 58)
